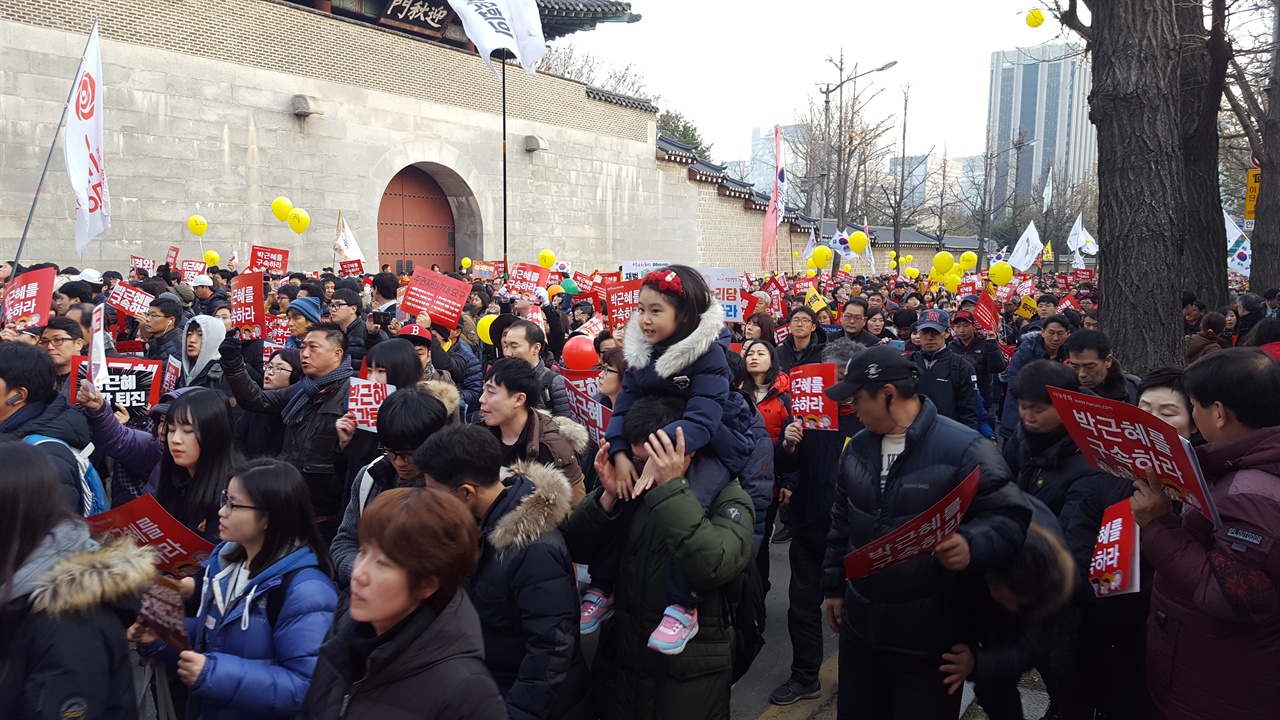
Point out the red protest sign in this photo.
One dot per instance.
(171, 258)
(1008, 351)
(440, 296)
(172, 373)
(130, 347)
(142, 263)
(986, 313)
(1025, 287)
(777, 297)
(587, 381)
(969, 286)
(526, 279)
(275, 260)
(269, 349)
(586, 285)
(277, 327)
(350, 268)
(164, 612)
(1114, 570)
(1062, 282)
(803, 284)
(484, 269)
(1068, 302)
(1005, 293)
(364, 399)
(247, 308)
(132, 383)
(1082, 275)
(589, 412)
(750, 305)
(809, 404)
(192, 268)
(601, 280)
(1121, 440)
(622, 299)
(28, 299)
(781, 332)
(592, 327)
(181, 551)
(129, 300)
(916, 537)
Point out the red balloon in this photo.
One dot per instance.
(580, 353)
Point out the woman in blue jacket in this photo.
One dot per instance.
(265, 606)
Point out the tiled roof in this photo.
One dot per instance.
(584, 7)
(676, 151)
(636, 103)
(564, 17)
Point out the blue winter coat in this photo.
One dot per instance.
(472, 383)
(1030, 347)
(695, 369)
(253, 670)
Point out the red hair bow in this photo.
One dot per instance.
(666, 281)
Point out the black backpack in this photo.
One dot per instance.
(748, 611)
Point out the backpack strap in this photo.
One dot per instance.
(366, 487)
(275, 601)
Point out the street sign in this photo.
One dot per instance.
(1251, 193)
(1253, 158)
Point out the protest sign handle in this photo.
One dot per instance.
(57, 131)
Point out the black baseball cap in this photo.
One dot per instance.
(878, 365)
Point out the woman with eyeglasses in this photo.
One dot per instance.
(613, 364)
(266, 602)
(262, 434)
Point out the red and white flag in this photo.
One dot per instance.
(777, 202)
(83, 148)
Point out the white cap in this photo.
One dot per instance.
(89, 275)
(201, 281)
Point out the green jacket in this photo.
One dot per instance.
(713, 547)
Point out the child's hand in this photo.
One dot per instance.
(624, 476)
(346, 427)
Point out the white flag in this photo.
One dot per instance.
(1087, 244)
(1075, 239)
(346, 245)
(1239, 249)
(1077, 260)
(513, 25)
(810, 246)
(1028, 248)
(82, 146)
(1048, 190)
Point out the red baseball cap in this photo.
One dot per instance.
(963, 316)
(416, 334)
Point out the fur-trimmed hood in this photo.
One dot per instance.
(577, 435)
(537, 500)
(446, 392)
(93, 578)
(682, 354)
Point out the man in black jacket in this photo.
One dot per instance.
(524, 586)
(983, 353)
(853, 324)
(344, 309)
(946, 378)
(807, 476)
(895, 623)
(803, 346)
(163, 327)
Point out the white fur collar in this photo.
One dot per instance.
(680, 355)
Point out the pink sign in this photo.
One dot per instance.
(247, 309)
(440, 296)
(28, 299)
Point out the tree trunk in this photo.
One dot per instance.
(1203, 71)
(1140, 185)
(1265, 269)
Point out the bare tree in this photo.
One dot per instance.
(572, 63)
(901, 193)
(977, 197)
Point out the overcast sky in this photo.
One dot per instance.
(731, 65)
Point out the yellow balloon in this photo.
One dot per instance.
(951, 283)
(912, 273)
(822, 256)
(810, 263)
(1035, 18)
(848, 268)
(893, 264)
(810, 272)
(858, 242)
(280, 207)
(466, 263)
(197, 225)
(1001, 273)
(482, 328)
(299, 220)
(893, 255)
(795, 253)
(211, 257)
(546, 258)
(910, 258)
(944, 261)
(968, 260)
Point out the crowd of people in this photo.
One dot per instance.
(449, 563)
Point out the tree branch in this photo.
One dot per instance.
(1070, 18)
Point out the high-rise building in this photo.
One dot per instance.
(1038, 119)
(927, 176)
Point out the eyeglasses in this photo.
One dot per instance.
(270, 368)
(156, 316)
(801, 321)
(226, 503)
(56, 342)
(396, 455)
(339, 305)
(606, 370)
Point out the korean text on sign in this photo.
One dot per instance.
(809, 403)
(131, 383)
(724, 286)
(364, 400)
(918, 536)
(1121, 440)
(622, 299)
(589, 412)
(129, 300)
(142, 263)
(28, 299)
(351, 268)
(440, 296)
(247, 308)
(272, 259)
(181, 551)
(1114, 569)
(526, 279)
(192, 268)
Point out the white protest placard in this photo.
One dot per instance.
(364, 400)
(725, 288)
(636, 269)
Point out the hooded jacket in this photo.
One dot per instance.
(554, 441)
(1199, 345)
(205, 370)
(430, 667)
(56, 419)
(255, 669)
(712, 546)
(62, 633)
(1213, 638)
(913, 608)
(1030, 347)
(696, 370)
(525, 591)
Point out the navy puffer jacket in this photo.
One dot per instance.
(916, 607)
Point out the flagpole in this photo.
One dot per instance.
(505, 264)
(57, 131)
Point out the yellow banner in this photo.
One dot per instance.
(1027, 308)
(813, 300)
